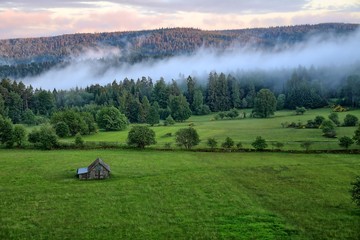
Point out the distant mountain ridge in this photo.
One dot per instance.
(45, 52)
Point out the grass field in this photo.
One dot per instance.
(245, 131)
(178, 195)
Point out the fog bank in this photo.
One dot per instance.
(93, 66)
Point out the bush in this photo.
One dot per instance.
(259, 144)
(45, 138)
(19, 135)
(300, 110)
(239, 145)
(169, 121)
(187, 137)
(62, 129)
(229, 143)
(6, 132)
(328, 129)
(350, 120)
(212, 143)
(334, 117)
(278, 145)
(79, 141)
(111, 119)
(306, 145)
(355, 191)
(141, 136)
(345, 142)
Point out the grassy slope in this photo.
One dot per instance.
(157, 195)
(246, 130)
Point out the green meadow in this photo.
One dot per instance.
(178, 195)
(244, 131)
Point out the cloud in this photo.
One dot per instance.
(321, 51)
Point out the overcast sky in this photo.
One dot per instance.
(34, 18)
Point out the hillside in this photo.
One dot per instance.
(136, 46)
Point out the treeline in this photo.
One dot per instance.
(145, 101)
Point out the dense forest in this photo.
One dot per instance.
(31, 56)
(144, 100)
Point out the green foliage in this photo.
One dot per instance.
(239, 145)
(15, 107)
(3, 110)
(228, 143)
(355, 191)
(153, 117)
(6, 132)
(187, 137)
(141, 136)
(265, 104)
(72, 119)
(278, 145)
(169, 121)
(79, 141)
(306, 145)
(212, 143)
(350, 120)
(300, 110)
(45, 138)
(111, 119)
(19, 135)
(280, 102)
(29, 117)
(179, 107)
(62, 129)
(328, 129)
(356, 136)
(334, 117)
(345, 142)
(259, 143)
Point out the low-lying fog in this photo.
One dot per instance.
(335, 53)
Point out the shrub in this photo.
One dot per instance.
(259, 143)
(141, 136)
(19, 135)
(277, 145)
(79, 141)
(355, 191)
(229, 143)
(334, 117)
(306, 145)
(300, 110)
(345, 142)
(62, 129)
(212, 143)
(239, 145)
(350, 120)
(169, 121)
(328, 129)
(187, 137)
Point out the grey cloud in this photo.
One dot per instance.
(214, 6)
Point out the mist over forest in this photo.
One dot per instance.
(333, 57)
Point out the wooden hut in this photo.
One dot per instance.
(96, 170)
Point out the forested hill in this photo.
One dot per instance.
(140, 45)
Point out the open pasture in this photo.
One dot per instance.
(245, 130)
(178, 195)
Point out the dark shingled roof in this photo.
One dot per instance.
(99, 161)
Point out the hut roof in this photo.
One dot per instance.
(98, 161)
(82, 170)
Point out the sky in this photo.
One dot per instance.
(36, 18)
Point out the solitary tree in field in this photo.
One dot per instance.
(345, 142)
(355, 191)
(259, 143)
(187, 137)
(265, 103)
(328, 129)
(212, 143)
(141, 136)
(228, 143)
(306, 145)
(350, 120)
(300, 110)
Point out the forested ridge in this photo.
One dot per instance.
(32, 55)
